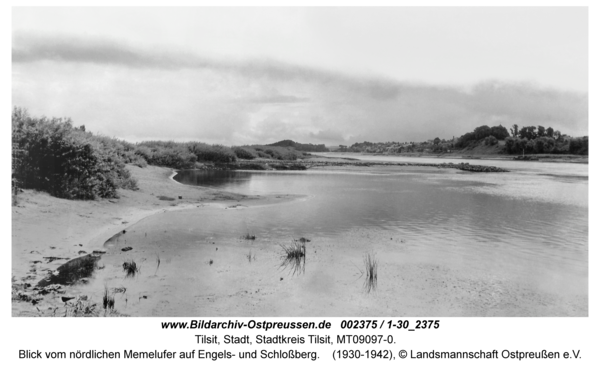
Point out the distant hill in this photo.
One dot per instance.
(306, 147)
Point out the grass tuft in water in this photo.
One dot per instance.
(249, 236)
(108, 300)
(370, 272)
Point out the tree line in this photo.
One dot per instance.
(525, 140)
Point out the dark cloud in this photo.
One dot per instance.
(267, 100)
(29, 48)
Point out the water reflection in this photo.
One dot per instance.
(213, 178)
(526, 214)
(505, 240)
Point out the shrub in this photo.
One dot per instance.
(144, 152)
(126, 181)
(261, 154)
(166, 153)
(65, 161)
(139, 161)
(490, 140)
(276, 152)
(214, 153)
(245, 153)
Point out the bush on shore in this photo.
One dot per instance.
(52, 155)
(245, 153)
(166, 153)
(277, 153)
(212, 153)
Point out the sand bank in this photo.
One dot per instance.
(49, 231)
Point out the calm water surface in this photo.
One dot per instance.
(535, 214)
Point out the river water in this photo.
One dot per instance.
(448, 243)
(537, 211)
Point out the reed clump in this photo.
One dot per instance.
(108, 300)
(131, 269)
(370, 263)
(249, 236)
(294, 256)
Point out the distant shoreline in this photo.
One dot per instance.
(575, 159)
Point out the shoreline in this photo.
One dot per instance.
(47, 231)
(188, 283)
(572, 159)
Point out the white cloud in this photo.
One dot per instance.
(128, 91)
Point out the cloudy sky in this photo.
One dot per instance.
(314, 75)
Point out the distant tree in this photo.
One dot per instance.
(549, 145)
(465, 139)
(482, 132)
(528, 133)
(509, 144)
(550, 132)
(530, 146)
(436, 141)
(520, 145)
(541, 131)
(574, 145)
(557, 135)
(499, 132)
(578, 146)
(514, 130)
(539, 145)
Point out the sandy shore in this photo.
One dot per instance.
(183, 273)
(49, 231)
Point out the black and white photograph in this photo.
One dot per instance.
(299, 162)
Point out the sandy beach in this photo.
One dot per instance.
(48, 231)
(233, 276)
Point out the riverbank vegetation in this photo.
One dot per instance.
(55, 156)
(305, 147)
